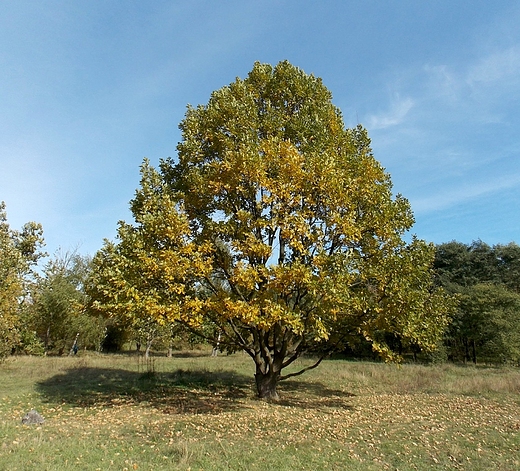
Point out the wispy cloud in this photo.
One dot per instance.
(444, 83)
(453, 140)
(394, 116)
(456, 195)
(500, 66)
(477, 90)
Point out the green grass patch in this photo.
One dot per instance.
(194, 412)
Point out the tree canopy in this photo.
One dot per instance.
(275, 227)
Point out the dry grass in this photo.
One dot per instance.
(196, 412)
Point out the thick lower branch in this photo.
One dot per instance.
(298, 373)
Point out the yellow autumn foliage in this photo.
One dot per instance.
(276, 227)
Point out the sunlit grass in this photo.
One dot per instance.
(196, 412)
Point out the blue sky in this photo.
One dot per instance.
(88, 89)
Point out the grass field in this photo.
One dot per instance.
(193, 412)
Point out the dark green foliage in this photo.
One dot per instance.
(58, 312)
(486, 324)
(508, 265)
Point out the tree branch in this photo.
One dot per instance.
(298, 373)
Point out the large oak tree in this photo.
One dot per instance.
(276, 227)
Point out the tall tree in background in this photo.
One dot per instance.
(486, 325)
(508, 265)
(19, 253)
(277, 227)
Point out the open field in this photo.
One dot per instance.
(194, 412)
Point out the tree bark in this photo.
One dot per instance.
(266, 384)
(148, 348)
(47, 338)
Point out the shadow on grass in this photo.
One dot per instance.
(312, 395)
(177, 392)
(174, 354)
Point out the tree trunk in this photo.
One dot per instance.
(148, 348)
(215, 351)
(266, 384)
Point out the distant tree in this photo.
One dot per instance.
(486, 324)
(278, 227)
(460, 264)
(19, 253)
(508, 263)
(149, 333)
(59, 305)
(452, 264)
(484, 263)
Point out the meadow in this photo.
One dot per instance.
(194, 412)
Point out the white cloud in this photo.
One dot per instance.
(394, 116)
(444, 83)
(462, 194)
(501, 66)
